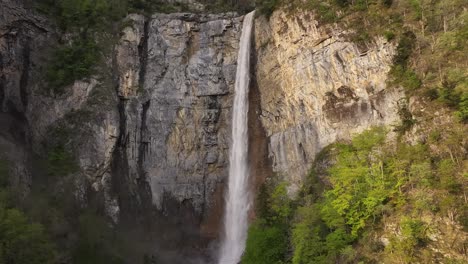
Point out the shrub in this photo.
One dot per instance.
(308, 236)
(60, 162)
(413, 232)
(267, 240)
(387, 3)
(389, 35)
(97, 242)
(405, 77)
(71, 62)
(400, 73)
(404, 49)
(266, 243)
(462, 112)
(3, 173)
(266, 7)
(22, 242)
(407, 120)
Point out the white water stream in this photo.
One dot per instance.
(238, 201)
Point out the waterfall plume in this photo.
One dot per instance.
(237, 200)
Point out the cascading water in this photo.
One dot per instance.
(238, 201)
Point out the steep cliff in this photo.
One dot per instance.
(144, 141)
(176, 77)
(22, 35)
(150, 131)
(317, 87)
(147, 135)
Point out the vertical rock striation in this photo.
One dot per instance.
(176, 78)
(149, 131)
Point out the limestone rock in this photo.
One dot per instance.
(316, 88)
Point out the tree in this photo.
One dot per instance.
(22, 242)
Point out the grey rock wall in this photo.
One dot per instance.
(176, 79)
(154, 136)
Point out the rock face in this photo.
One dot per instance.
(21, 35)
(316, 87)
(176, 79)
(150, 131)
(152, 140)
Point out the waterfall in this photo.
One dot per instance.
(238, 201)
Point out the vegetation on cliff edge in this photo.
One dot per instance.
(356, 188)
(430, 35)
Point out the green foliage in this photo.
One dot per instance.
(400, 73)
(60, 162)
(280, 204)
(462, 111)
(446, 170)
(308, 236)
(266, 243)
(369, 180)
(414, 231)
(404, 77)
(360, 185)
(83, 15)
(21, 242)
(387, 3)
(407, 120)
(267, 240)
(389, 35)
(97, 242)
(151, 6)
(84, 20)
(454, 93)
(266, 7)
(413, 236)
(324, 228)
(72, 62)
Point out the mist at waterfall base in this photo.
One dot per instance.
(238, 198)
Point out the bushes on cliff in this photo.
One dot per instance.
(369, 180)
(97, 243)
(84, 21)
(266, 7)
(72, 62)
(21, 242)
(83, 15)
(401, 73)
(430, 36)
(326, 226)
(267, 240)
(88, 22)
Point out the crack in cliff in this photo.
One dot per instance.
(2, 84)
(143, 145)
(144, 189)
(120, 182)
(143, 53)
(24, 79)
